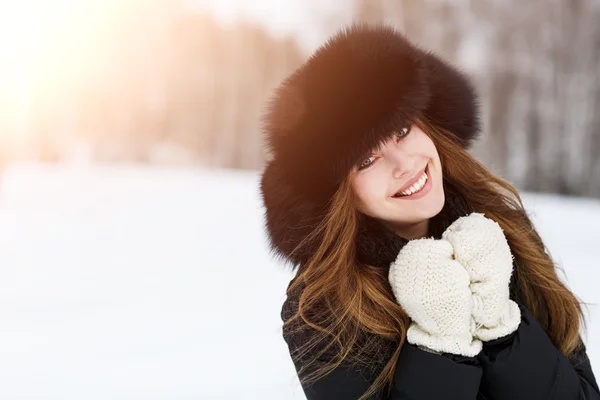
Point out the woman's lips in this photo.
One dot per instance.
(420, 193)
(412, 182)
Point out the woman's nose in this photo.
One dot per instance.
(400, 170)
(400, 162)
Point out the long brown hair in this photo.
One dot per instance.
(358, 298)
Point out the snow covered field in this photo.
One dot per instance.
(156, 283)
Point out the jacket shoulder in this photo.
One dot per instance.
(297, 333)
(415, 369)
(310, 350)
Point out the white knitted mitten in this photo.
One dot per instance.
(481, 247)
(433, 289)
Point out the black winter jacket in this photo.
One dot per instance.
(524, 365)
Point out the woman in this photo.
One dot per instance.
(419, 274)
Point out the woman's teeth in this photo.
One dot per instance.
(416, 186)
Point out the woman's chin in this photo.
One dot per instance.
(414, 212)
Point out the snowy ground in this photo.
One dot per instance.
(154, 283)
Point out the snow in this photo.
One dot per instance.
(129, 282)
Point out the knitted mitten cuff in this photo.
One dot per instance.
(508, 322)
(465, 345)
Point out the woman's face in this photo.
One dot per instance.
(401, 183)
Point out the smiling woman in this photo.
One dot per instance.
(415, 263)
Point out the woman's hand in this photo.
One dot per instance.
(433, 289)
(481, 247)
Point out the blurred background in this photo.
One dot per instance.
(133, 259)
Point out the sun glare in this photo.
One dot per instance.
(44, 46)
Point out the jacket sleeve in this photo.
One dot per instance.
(526, 365)
(423, 375)
(419, 375)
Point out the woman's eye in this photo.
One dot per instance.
(403, 132)
(367, 162)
